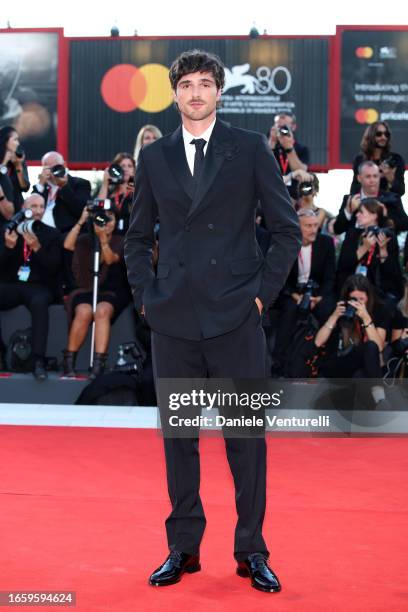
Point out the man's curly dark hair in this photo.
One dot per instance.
(197, 61)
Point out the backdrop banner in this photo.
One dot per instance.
(117, 86)
(28, 88)
(374, 87)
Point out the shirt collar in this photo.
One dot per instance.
(206, 135)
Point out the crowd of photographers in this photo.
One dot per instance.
(343, 311)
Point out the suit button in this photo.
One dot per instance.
(181, 264)
(210, 226)
(213, 262)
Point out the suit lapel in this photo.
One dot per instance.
(175, 155)
(221, 147)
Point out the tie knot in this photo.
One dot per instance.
(199, 143)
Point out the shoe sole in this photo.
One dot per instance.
(192, 569)
(244, 573)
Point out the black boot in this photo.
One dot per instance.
(68, 363)
(39, 369)
(99, 363)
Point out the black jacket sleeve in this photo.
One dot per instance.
(75, 195)
(342, 224)
(140, 239)
(281, 220)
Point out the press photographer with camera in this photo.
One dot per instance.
(371, 248)
(65, 195)
(369, 180)
(118, 185)
(13, 173)
(113, 289)
(309, 287)
(30, 258)
(376, 146)
(351, 340)
(289, 153)
(307, 190)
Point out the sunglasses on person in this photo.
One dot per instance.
(382, 133)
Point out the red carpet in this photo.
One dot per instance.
(83, 509)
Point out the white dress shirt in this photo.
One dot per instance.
(48, 216)
(304, 264)
(190, 148)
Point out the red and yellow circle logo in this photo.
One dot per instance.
(366, 115)
(125, 88)
(364, 52)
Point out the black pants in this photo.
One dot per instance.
(288, 316)
(364, 357)
(237, 354)
(36, 298)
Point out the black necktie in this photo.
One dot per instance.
(198, 157)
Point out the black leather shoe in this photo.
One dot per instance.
(262, 577)
(174, 567)
(39, 370)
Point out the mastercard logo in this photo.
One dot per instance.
(366, 115)
(364, 52)
(125, 88)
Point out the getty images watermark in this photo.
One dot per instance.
(251, 408)
(219, 400)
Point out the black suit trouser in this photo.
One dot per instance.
(36, 298)
(240, 353)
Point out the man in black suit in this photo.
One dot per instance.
(203, 182)
(313, 270)
(65, 195)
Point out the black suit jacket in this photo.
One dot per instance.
(322, 270)
(69, 203)
(210, 266)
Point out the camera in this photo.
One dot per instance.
(97, 211)
(284, 130)
(58, 171)
(130, 359)
(21, 215)
(349, 315)
(20, 152)
(307, 290)
(305, 189)
(115, 174)
(374, 229)
(32, 226)
(391, 162)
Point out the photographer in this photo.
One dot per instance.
(369, 180)
(13, 173)
(113, 289)
(30, 258)
(308, 188)
(376, 147)
(371, 248)
(289, 153)
(118, 185)
(353, 337)
(309, 287)
(65, 195)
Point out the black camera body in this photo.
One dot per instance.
(305, 189)
(58, 171)
(116, 175)
(20, 152)
(307, 290)
(391, 162)
(349, 314)
(376, 230)
(284, 130)
(130, 359)
(19, 217)
(97, 211)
